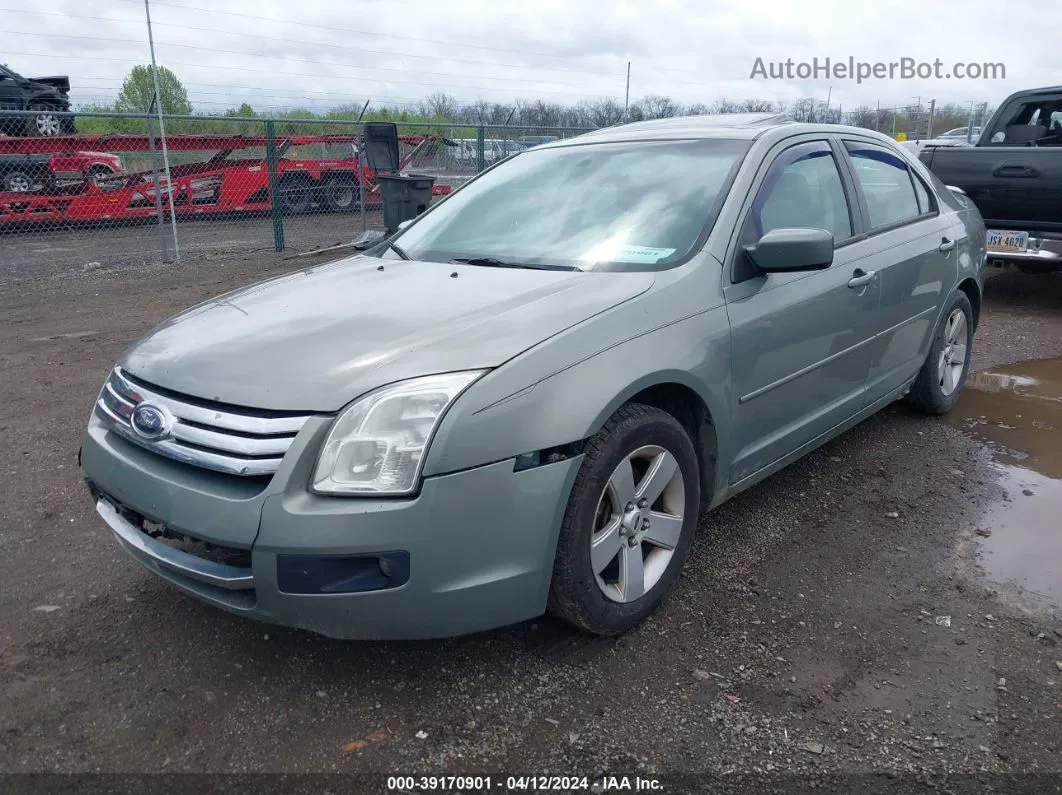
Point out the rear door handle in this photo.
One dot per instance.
(861, 278)
(946, 245)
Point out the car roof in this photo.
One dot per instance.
(741, 126)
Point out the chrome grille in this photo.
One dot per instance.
(234, 441)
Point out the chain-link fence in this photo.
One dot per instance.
(118, 192)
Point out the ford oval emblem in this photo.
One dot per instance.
(150, 422)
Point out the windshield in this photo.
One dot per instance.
(639, 205)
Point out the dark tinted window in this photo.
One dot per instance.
(886, 182)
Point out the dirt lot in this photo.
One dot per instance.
(807, 637)
(30, 253)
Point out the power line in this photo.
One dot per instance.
(376, 34)
(508, 92)
(287, 40)
(277, 57)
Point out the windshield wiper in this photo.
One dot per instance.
(494, 262)
(397, 249)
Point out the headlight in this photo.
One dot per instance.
(377, 446)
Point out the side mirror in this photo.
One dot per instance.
(789, 250)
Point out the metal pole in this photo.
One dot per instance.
(274, 182)
(627, 96)
(969, 125)
(361, 169)
(929, 126)
(162, 134)
(163, 245)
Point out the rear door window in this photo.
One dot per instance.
(888, 185)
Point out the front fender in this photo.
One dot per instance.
(573, 403)
(46, 97)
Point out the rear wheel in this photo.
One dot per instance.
(941, 380)
(45, 122)
(629, 522)
(19, 182)
(341, 195)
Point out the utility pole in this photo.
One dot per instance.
(162, 134)
(627, 96)
(929, 128)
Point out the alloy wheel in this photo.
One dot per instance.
(47, 124)
(953, 357)
(638, 524)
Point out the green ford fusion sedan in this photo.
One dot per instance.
(523, 401)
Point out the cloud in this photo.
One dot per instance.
(320, 54)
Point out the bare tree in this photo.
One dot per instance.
(757, 106)
(655, 106)
(863, 116)
(697, 109)
(725, 106)
(603, 113)
(442, 104)
(810, 110)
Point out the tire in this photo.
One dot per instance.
(341, 195)
(940, 382)
(100, 171)
(19, 182)
(47, 122)
(295, 196)
(599, 592)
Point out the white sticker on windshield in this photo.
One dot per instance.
(643, 254)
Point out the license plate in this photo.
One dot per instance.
(1001, 241)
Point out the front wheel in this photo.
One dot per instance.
(941, 380)
(629, 522)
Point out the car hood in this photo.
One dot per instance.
(316, 339)
(62, 82)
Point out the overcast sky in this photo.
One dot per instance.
(318, 53)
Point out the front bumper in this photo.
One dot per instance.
(480, 543)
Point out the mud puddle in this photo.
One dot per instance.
(1016, 412)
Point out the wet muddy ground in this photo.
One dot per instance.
(1016, 412)
(844, 617)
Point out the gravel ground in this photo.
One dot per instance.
(802, 643)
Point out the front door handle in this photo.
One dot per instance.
(946, 245)
(862, 278)
(1015, 168)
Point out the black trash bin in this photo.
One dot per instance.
(404, 197)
